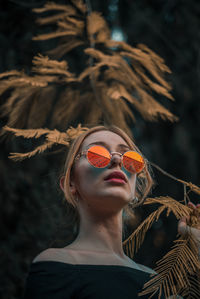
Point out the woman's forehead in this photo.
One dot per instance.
(107, 137)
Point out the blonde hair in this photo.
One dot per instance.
(143, 184)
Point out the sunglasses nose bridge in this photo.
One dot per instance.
(116, 158)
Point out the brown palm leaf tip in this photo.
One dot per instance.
(168, 204)
(52, 137)
(176, 267)
(177, 271)
(108, 85)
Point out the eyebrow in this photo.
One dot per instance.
(106, 145)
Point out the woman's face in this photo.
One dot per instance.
(92, 186)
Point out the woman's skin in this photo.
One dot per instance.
(183, 227)
(100, 202)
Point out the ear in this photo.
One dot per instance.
(62, 180)
(72, 185)
(72, 188)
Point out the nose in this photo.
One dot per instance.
(116, 159)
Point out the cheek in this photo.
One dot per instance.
(87, 175)
(132, 180)
(131, 176)
(94, 171)
(128, 174)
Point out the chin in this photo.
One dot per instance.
(116, 196)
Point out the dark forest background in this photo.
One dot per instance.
(31, 204)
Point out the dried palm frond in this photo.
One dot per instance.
(174, 270)
(70, 22)
(116, 77)
(75, 24)
(177, 271)
(135, 240)
(97, 28)
(129, 85)
(52, 137)
(31, 97)
(191, 186)
(193, 289)
(9, 73)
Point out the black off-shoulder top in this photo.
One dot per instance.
(58, 280)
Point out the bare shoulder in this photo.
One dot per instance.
(46, 255)
(146, 269)
(55, 254)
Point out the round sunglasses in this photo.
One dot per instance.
(99, 157)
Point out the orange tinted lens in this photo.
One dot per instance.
(133, 161)
(98, 156)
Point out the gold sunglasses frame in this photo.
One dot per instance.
(111, 155)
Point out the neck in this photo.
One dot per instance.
(100, 233)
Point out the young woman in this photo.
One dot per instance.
(105, 176)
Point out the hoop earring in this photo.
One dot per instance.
(134, 201)
(76, 199)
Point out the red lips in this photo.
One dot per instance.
(116, 175)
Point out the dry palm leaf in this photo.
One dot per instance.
(31, 97)
(52, 87)
(135, 240)
(191, 186)
(131, 87)
(52, 137)
(74, 24)
(177, 271)
(116, 77)
(176, 267)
